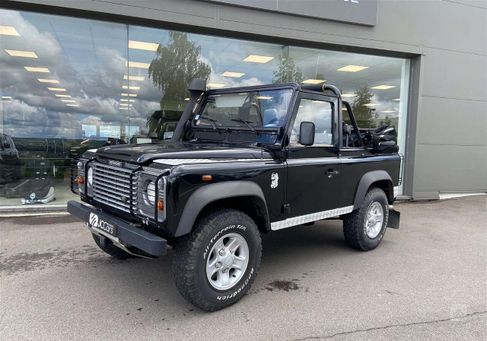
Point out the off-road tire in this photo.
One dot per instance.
(108, 247)
(192, 251)
(354, 228)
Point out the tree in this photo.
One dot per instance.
(171, 71)
(363, 113)
(287, 71)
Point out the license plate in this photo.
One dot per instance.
(97, 222)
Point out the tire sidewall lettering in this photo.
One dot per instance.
(236, 292)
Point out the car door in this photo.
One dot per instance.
(313, 183)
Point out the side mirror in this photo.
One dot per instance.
(307, 133)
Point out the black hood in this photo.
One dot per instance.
(145, 153)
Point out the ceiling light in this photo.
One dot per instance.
(72, 105)
(131, 87)
(8, 98)
(37, 69)
(352, 68)
(254, 58)
(8, 31)
(264, 97)
(133, 78)
(383, 87)
(68, 101)
(371, 104)
(233, 74)
(215, 85)
(388, 111)
(123, 108)
(63, 96)
(186, 99)
(313, 81)
(127, 100)
(124, 94)
(57, 89)
(141, 45)
(24, 54)
(44, 80)
(396, 99)
(348, 95)
(138, 65)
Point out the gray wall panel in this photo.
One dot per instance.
(454, 75)
(450, 168)
(446, 121)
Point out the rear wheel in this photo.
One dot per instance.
(107, 246)
(365, 227)
(215, 265)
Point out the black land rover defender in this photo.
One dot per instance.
(242, 162)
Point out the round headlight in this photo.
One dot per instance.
(150, 193)
(90, 176)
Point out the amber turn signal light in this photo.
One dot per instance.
(79, 180)
(160, 205)
(207, 177)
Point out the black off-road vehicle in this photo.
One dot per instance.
(242, 162)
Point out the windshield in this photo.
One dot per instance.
(252, 110)
(252, 117)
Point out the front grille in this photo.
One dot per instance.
(112, 186)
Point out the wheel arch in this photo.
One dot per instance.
(378, 178)
(245, 196)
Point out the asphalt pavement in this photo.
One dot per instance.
(427, 280)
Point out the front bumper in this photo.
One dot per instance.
(127, 235)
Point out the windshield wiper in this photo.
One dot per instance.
(247, 123)
(209, 119)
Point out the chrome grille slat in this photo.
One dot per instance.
(116, 169)
(113, 201)
(109, 185)
(112, 185)
(111, 195)
(109, 173)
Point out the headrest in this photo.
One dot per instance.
(270, 115)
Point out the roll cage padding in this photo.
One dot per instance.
(214, 192)
(368, 179)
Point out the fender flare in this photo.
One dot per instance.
(213, 192)
(367, 180)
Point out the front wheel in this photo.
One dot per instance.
(365, 227)
(215, 265)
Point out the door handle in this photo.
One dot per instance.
(330, 172)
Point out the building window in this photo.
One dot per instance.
(71, 84)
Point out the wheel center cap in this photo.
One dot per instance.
(227, 261)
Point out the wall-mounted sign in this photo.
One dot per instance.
(362, 12)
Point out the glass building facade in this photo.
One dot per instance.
(69, 84)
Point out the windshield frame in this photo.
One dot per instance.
(280, 131)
